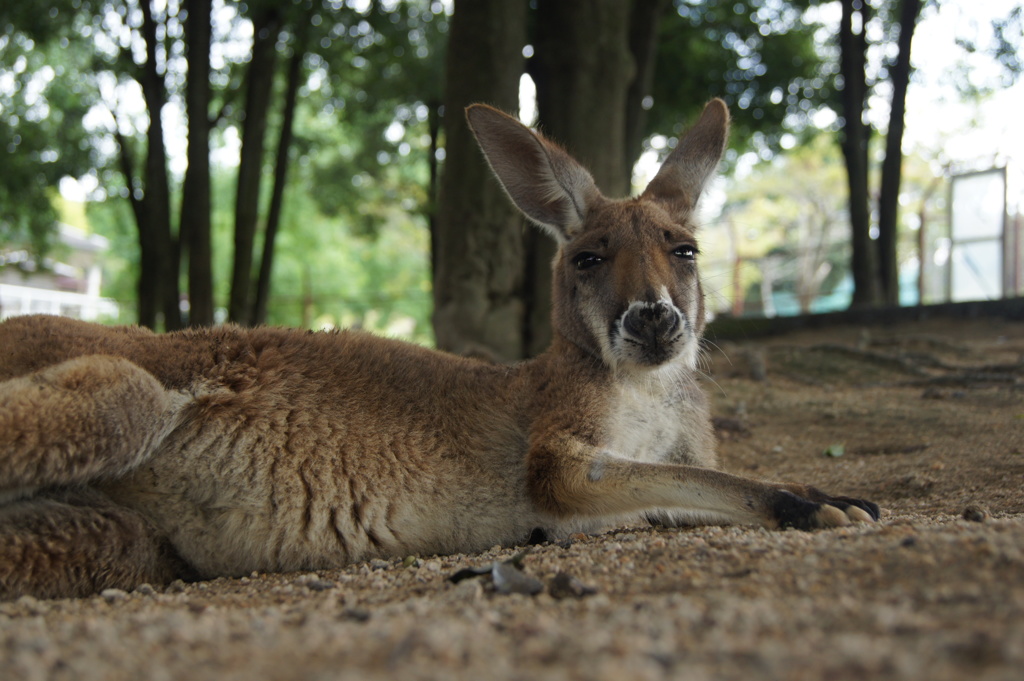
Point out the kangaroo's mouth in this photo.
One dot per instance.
(650, 334)
(656, 351)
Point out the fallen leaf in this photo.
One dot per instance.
(835, 450)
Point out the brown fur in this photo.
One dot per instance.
(128, 456)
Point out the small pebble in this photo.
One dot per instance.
(32, 605)
(314, 583)
(113, 595)
(572, 539)
(471, 590)
(508, 579)
(354, 615)
(975, 514)
(564, 585)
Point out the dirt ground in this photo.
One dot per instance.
(926, 419)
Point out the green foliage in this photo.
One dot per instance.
(113, 219)
(1007, 34)
(1003, 42)
(786, 221)
(790, 224)
(360, 160)
(329, 272)
(759, 56)
(42, 103)
(371, 116)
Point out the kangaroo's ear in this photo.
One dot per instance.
(543, 181)
(686, 171)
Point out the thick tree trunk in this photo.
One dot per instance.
(194, 230)
(583, 69)
(855, 135)
(159, 254)
(259, 82)
(478, 247)
(284, 144)
(892, 166)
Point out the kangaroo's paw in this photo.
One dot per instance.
(815, 510)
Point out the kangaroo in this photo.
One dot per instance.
(128, 456)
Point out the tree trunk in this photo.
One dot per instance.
(435, 109)
(159, 254)
(259, 81)
(194, 230)
(284, 143)
(892, 166)
(147, 302)
(855, 135)
(478, 247)
(583, 69)
(643, 44)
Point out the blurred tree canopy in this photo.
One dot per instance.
(43, 101)
(762, 57)
(789, 218)
(282, 160)
(240, 77)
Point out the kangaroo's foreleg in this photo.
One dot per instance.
(86, 418)
(77, 543)
(569, 478)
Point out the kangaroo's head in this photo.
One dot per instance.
(626, 287)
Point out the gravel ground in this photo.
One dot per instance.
(927, 419)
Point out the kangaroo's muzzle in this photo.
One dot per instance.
(652, 332)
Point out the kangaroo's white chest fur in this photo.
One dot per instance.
(652, 416)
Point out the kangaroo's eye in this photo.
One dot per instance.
(686, 252)
(584, 261)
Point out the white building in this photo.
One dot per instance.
(69, 287)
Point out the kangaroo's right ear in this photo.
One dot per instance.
(686, 171)
(543, 181)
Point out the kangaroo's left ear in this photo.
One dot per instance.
(686, 171)
(543, 181)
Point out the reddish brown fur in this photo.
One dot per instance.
(128, 456)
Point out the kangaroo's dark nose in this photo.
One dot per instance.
(651, 323)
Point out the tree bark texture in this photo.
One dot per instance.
(892, 166)
(855, 136)
(158, 275)
(284, 144)
(147, 302)
(194, 230)
(478, 249)
(583, 68)
(259, 82)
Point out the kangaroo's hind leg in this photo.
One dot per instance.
(92, 417)
(72, 543)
